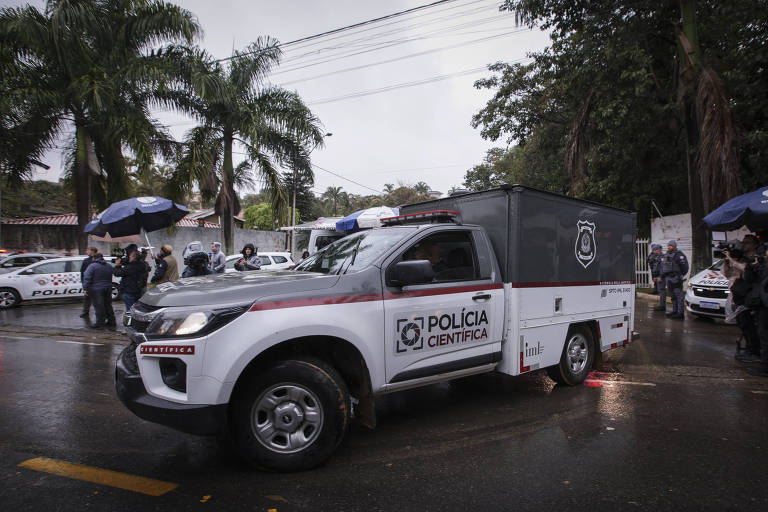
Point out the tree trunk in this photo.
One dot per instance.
(82, 187)
(690, 68)
(228, 191)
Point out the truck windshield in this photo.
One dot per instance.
(353, 252)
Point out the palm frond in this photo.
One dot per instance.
(718, 158)
(575, 159)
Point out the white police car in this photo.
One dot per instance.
(269, 261)
(46, 279)
(707, 292)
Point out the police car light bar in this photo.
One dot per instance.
(434, 217)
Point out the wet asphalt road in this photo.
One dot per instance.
(682, 427)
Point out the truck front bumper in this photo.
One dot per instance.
(189, 418)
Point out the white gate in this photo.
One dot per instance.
(642, 272)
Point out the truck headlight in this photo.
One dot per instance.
(174, 322)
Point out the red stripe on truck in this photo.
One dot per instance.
(368, 297)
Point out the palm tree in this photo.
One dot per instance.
(90, 68)
(271, 124)
(333, 194)
(388, 188)
(421, 188)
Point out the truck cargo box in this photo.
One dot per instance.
(541, 238)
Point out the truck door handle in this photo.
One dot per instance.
(482, 296)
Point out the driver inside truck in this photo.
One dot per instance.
(430, 251)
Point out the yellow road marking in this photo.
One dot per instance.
(100, 476)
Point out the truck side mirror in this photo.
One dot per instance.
(411, 272)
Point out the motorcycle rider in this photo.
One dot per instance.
(196, 260)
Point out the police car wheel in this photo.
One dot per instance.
(9, 298)
(291, 416)
(577, 359)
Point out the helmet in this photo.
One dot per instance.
(194, 254)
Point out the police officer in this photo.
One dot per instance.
(674, 265)
(654, 264)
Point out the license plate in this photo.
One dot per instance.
(709, 305)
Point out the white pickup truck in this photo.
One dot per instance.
(509, 280)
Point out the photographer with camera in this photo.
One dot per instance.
(742, 292)
(133, 275)
(674, 266)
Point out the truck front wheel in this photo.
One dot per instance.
(290, 417)
(577, 359)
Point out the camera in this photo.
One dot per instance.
(734, 248)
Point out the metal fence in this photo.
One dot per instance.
(642, 273)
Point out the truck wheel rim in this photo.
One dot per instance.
(578, 353)
(7, 299)
(287, 418)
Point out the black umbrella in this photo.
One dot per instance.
(137, 215)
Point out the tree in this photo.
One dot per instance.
(90, 68)
(388, 188)
(421, 187)
(305, 199)
(596, 114)
(233, 104)
(261, 217)
(333, 194)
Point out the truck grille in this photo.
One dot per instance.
(140, 316)
(711, 293)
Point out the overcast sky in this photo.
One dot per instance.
(404, 135)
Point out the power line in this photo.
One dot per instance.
(395, 59)
(402, 85)
(369, 38)
(348, 27)
(388, 44)
(383, 25)
(347, 179)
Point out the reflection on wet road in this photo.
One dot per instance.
(670, 422)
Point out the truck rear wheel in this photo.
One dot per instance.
(290, 417)
(577, 359)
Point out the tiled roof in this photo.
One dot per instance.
(70, 219)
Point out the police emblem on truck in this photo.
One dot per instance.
(586, 247)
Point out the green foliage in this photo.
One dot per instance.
(604, 94)
(273, 126)
(34, 198)
(260, 216)
(89, 71)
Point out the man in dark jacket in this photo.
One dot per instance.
(756, 273)
(83, 266)
(133, 276)
(654, 265)
(674, 266)
(97, 281)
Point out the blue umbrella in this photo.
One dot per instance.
(136, 215)
(749, 209)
